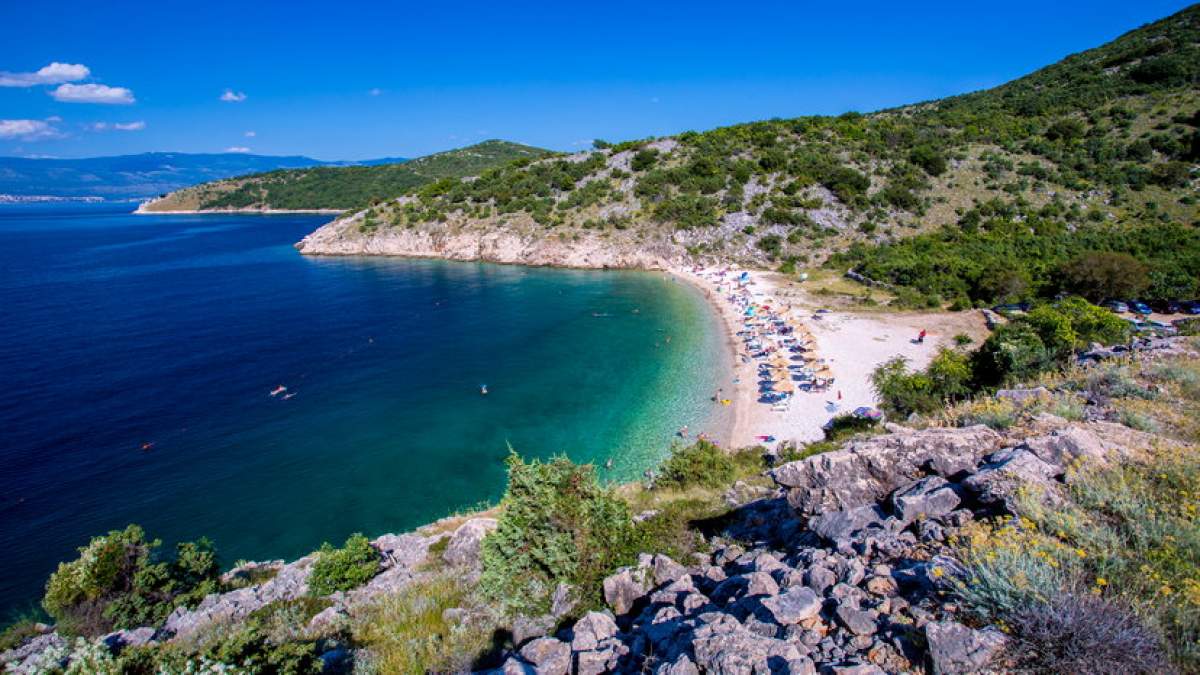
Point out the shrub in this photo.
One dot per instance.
(702, 463)
(903, 393)
(842, 426)
(1076, 633)
(117, 583)
(345, 568)
(557, 525)
(1097, 275)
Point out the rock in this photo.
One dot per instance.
(857, 621)
(17, 659)
(930, 497)
(724, 646)
(793, 606)
(591, 630)
(955, 649)
(865, 471)
(761, 583)
(666, 570)
(526, 628)
(881, 585)
(592, 663)
(682, 665)
(514, 666)
(136, 637)
(465, 543)
(623, 589)
(329, 619)
(1008, 471)
(839, 526)
(563, 600)
(820, 579)
(548, 656)
(1022, 396)
(857, 669)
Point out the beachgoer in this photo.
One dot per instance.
(921, 337)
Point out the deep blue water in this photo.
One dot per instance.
(119, 330)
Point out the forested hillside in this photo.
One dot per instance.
(1009, 188)
(342, 187)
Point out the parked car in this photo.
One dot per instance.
(1191, 307)
(1139, 307)
(1116, 306)
(1168, 306)
(1011, 307)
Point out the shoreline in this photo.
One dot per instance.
(140, 211)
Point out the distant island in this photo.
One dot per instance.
(326, 188)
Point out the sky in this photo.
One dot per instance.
(350, 80)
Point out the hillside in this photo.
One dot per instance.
(136, 176)
(341, 187)
(1104, 143)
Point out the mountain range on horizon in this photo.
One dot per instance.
(144, 175)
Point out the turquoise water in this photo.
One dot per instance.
(122, 330)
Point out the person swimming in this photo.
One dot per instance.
(483, 389)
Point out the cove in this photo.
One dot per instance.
(138, 354)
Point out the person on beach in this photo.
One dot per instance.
(921, 337)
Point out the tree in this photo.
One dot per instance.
(929, 159)
(1099, 275)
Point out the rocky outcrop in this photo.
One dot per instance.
(866, 471)
(493, 244)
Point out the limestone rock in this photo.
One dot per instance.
(865, 471)
(624, 588)
(930, 497)
(793, 606)
(548, 656)
(593, 629)
(1008, 471)
(465, 543)
(955, 649)
(837, 526)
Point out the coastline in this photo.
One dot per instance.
(247, 211)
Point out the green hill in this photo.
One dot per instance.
(1099, 145)
(341, 187)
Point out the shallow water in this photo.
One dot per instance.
(122, 330)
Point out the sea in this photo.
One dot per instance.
(139, 353)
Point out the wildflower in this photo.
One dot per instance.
(1101, 581)
(1081, 553)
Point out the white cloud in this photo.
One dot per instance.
(55, 73)
(230, 96)
(375, 92)
(28, 130)
(130, 126)
(98, 126)
(238, 148)
(92, 93)
(251, 134)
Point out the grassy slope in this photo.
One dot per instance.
(342, 187)
(1098, 135)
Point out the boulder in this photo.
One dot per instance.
(1008, 471)
(865, 471)
(666, 570)
(465, 544)
(135, 637)
(793, 605)
(623, 589)
(591, 630)
(857, 621)
(955, 649)
(930, 497)
(548, 656)
(526, 628)
(725, 646)
(1023, 396)
(839, 526)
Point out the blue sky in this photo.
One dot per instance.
(350, 80)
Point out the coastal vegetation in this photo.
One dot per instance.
(1077, 178)
(342, 187)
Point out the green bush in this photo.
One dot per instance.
(340, 569)
(117, 583)
(701, 463)
(902, 393)
(557, 525)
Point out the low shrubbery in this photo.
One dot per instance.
(117, 582)
(702, 463)
(340, 569)
(1043, 340)
(1128, 535)
(557, 525)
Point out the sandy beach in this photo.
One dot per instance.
(851, 344)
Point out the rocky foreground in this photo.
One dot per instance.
(844, 566)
